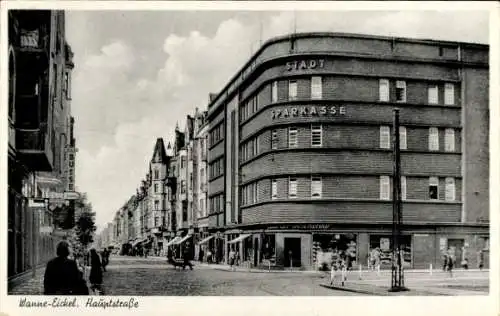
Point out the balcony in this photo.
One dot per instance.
(33, 149)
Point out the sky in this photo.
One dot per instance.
(138, 73)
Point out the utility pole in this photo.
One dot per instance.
(397, 274)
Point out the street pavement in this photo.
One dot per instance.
(155, 277)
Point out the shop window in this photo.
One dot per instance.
(384, 187)
(274, 92)
(432, 95)
(316, 88)
(402, 138)
(403, 188)
(316, 135)
(274, 189)
(433, 188)
(450, 189)
(330, 248)
(274, 139)
(449, 140)
(292, 90)
(292, 188)
(433, 139)
(381, 250)
(385, 137)
(269, 247)
(449, 94)
(384, 90)
(316, 187)
(293, 137)
(400, 91)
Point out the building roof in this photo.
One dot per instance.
(159, 153)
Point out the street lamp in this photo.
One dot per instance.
(397, 275)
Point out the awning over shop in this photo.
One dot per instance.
(173, 241)
(136, 242)
(240, 238)
(183, 239)
(206, 239)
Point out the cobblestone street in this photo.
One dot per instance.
(153, 276)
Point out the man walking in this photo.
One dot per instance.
(62, 276)
(186, 257)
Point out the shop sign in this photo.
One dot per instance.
(312, 110)
(305, 64)
(302, 226)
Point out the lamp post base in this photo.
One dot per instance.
(398, 289)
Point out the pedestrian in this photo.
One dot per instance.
(201, 254)
(62, 276)
(232, 258)
(445, 261)
(451, 260)
(95, 277)
(480, 261)
(209, 256)
(104, 259)
(186, 257)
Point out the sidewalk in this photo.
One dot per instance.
(26, 284)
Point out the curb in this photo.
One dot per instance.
(347, 289)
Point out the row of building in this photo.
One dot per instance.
(291, 163)
(41, 144)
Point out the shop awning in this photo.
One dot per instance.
(173, 241)
(206, 239)
(240, 238)
(183, 239)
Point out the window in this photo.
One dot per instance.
(403, 188)
(433, 95)
(256, 146)
(450, 189)
(274, 189)
(316, 135)
(433, 138)
(67, 84)
(316, 88)
(292, 90)
(274, 139)
(191, 184)
(292, 137)
(400, 91)
(156, 187)
(385, 137)
(292, 188)
(274, 92)
(449, 94)
(255, 192)
(183, 187)
(157, 174)
(433, 188)
(449, 140)
(384, 90)
(384, 188)
(316, 187)
(402, 138)
(157, 221)
(157, 205)
(183, 162)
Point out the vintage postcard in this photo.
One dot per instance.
(165, 156)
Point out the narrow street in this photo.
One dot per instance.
(153, 276)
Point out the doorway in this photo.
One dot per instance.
(255, 252)
(456, 246)
(292, 252)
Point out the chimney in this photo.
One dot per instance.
(211, 96)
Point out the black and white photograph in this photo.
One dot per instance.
(240, 150)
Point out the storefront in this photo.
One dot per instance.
(330, 247)
(382, 244)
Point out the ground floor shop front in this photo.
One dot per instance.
(312, 247)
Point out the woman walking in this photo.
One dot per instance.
(95, 277)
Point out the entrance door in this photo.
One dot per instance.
(292, 252)
(456, 245)
(255, 251)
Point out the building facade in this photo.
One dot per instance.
(300, 158)
(41, 143)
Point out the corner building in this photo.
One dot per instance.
(300, 151)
